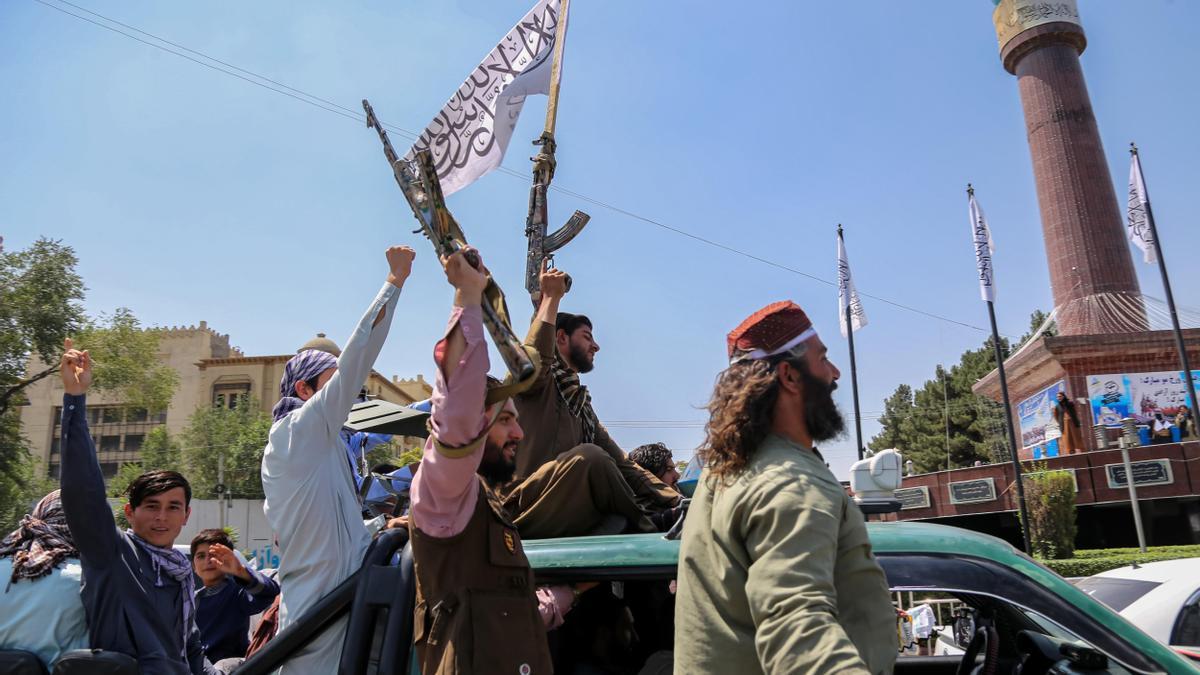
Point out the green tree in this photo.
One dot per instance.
(1035, 322)
(24, 487)
(159, 451)
(897, 410)
(943, 424)
(236, 435)
(40, 305)
(125, 360)
(1050, 496)
(410, 456)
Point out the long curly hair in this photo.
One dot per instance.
(740, 413)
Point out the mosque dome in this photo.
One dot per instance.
(323, 344)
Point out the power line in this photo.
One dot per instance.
(337, 109)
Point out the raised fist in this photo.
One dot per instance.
(76, 369)
(400, 259)
(466, 278)
(552, 281)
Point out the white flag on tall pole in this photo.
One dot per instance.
(847, 294)
(981, 236)
(470, 134)
(1138, 226)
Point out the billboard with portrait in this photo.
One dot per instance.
(1036, 415)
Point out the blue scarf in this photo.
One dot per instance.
(305, 365)
(178, 567)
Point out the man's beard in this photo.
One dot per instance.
(495, 469)
(580, 359)
(821, 414)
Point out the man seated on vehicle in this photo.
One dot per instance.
(776, 572)
(230, 595)
(657, 459)
(137, 589)
(40, 609)
(311, 501)
(557, 414)
(477, 608)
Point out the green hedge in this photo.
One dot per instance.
(1095, 561)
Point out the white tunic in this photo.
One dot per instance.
(311, 502)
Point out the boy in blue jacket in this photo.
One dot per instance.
(231, 594)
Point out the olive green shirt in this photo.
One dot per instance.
(776, 574)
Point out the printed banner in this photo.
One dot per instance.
(1036, 415)
(469, 136)
(847, 294)
(1137, 395)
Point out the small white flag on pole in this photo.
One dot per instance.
(847, 294)
(469, 136)
(1138, 226)
(981, 237)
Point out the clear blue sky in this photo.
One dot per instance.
(190, 195)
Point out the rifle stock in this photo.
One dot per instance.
(423, 192)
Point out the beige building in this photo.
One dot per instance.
(210, 373)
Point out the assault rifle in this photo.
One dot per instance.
(541, 245)
(419, 183)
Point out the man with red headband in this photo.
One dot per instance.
(776, 572)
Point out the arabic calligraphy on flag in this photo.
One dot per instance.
(470, 134)
(981, 236)
(848, 295)
(1138, 226)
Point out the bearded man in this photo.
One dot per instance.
(477, 609)
(561, 426)
(776, 573)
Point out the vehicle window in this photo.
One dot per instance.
(1051, 628)
(1115, 592)
(987, 585)
(1186, 632)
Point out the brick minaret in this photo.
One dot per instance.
(1040, 43)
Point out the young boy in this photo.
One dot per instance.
(230, 596)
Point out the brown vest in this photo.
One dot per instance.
(476, 610)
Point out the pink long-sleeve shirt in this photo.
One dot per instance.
(445, 490)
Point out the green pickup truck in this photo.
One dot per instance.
(1026, 619)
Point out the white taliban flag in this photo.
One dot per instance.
(1139, 226)
(470, 134)
(847, 294)
(981, 236)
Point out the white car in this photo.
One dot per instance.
(1161, 598)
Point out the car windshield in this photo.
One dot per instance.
(1115, 592)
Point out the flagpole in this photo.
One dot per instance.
(1166, 282)
(543, 244)
(1012, 434)
(560, 42)
(853, 365)
(1008, 417)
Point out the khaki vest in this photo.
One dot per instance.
(476, 610)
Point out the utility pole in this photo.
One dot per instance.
(221, 489)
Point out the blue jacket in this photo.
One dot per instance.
(126, 611)
(223, 613)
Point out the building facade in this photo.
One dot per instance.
(210, 371)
